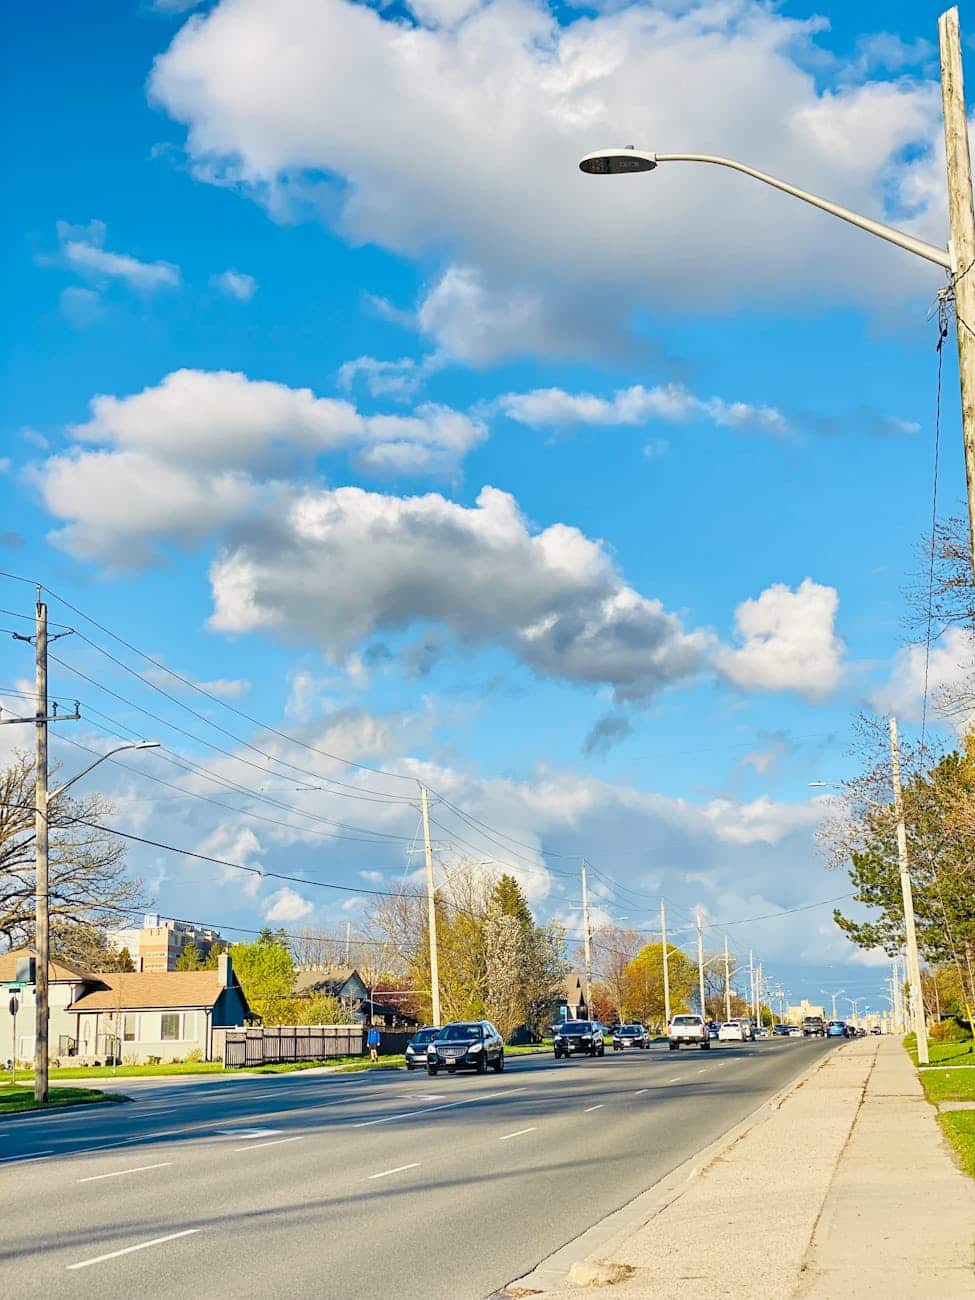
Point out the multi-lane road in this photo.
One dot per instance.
(363, 1185)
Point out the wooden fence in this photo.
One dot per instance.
(267, 1044)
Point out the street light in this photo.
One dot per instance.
(958, 259)
(42, 923)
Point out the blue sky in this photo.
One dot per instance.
(332, 273)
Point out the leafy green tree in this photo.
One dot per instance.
(190, 958)
(266, 973)
(644, 987)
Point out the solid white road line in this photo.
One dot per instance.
(143, 1245)
(521, 1131)
(408, 1114)
(33, 1155)
(276, 1143)
(398, 1170)
(640, 1090)
(139, 1169)
(589, 1108)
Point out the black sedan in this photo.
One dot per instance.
(416, 1048)
(466, 1045)
(579, 1036)
(630, 1036)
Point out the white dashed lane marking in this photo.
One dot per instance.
(398, 1170)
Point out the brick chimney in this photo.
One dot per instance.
(224, 970)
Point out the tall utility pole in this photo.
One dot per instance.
(913, 962)
(758, 995)
(727, 982)
(431, 908)
(751, 982)
(961, 220)
(663, 938)
(587, 940)
(348, 941)
(42, 920)
(700, 962)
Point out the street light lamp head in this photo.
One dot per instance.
(615, 162)
(147, 744)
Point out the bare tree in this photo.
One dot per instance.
(89, 885)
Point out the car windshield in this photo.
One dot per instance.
(577, 1027)
(730, 1024)
(687, 1020)
(424, 1036)
(631, 1029)
(459, 1033)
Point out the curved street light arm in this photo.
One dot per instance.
(940, 256)
(142, 744)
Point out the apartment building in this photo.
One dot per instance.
(157, 945)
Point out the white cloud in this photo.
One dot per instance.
(951, 666)
(224, 419)
(80, 306)
(542, 258)
(547, 407)
(398, 379)
(789, 641)
(235, 284)
(287, 905)
(554, 597)
(83, 250)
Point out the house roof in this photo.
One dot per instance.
(572, 986)
(56, 970)
(327, 979)
(151, 989)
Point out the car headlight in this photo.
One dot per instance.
(475, 1047)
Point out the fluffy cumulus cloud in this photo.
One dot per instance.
(947, 677)
(553, 597)
(83, 250)
(287, 905)
(789, 641)
(328, 106)
(554, 407)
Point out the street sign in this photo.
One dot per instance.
(14, 1005)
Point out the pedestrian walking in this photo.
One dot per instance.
(372, 1042)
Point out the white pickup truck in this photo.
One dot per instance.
(691, 1030)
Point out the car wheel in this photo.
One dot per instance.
(558, 1056)
(410, 1065)
(481, 1066)
(672, 1046)
(432, 1071)
(499, 1064)
(602, 1050)
(706, 1045)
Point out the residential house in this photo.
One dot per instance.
(65, 983)
(164, 1014)
(158, 945)
(346, 984)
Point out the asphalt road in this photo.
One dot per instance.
(358, 1186)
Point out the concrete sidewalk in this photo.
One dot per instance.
(841, 1186)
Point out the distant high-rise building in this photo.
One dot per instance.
(158, 944)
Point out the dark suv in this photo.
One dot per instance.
(416, 1048)
(466, 1045)
(813, 1027)
(630, 1036)
(575, 1036)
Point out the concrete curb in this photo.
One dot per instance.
(607, 1235)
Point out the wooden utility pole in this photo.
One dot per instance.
(431, 908)
(727, 982)
(587, 941)
(42, 924)
(663, 938)
(913, 961)
(700, 963)
(961, 220)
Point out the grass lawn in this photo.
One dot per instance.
(15, 1098)
(955, 1084)
(959, 1127)
(121, 1071)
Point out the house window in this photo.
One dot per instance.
(130, 1031)
(170, 1027)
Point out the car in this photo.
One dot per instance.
(688, 1029)
(575, 1037)
(795, 1032)
(813, 1027)
(466, 1044)
(875, 1029)
(713, 1028)
(763, 1031)
(747, 1028)
(416, 1048)
(731, 1032)
(780, 1031)
(861, 1032)
(836, 1029)
(632, 1035)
